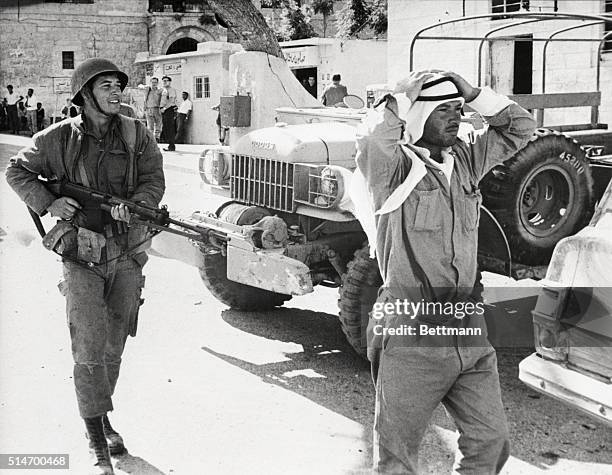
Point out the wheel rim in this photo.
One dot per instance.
(546, 200)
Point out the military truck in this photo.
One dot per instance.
(290, 183)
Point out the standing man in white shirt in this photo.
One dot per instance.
(30, 106)
(167, 106)
(184, 112)
(12, 99)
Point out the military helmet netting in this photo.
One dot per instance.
(89, 69)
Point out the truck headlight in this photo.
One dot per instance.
(326, 186)
(215, 167)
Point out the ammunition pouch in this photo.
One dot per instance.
(90, 245)
(62, 239)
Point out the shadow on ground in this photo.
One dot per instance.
(329, 373)
(129, 463)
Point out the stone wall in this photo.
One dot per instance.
(33, 37)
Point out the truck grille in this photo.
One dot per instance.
(262, 182)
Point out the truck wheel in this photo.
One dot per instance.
(540, 195)
(214, 269)
(358, 293)
(236, 295)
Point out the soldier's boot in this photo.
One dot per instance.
(98, 445)
(114, 440)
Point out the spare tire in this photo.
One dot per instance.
(540, 195)
(358, 293)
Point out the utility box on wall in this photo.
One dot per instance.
(235, 111)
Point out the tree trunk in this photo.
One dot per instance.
(325, 16)
(247, 25)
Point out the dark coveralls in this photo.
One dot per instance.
(425, 247)
(102, 303)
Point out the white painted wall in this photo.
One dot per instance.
(359, 62)
(270, 83)
(571, 67)
(212, 60)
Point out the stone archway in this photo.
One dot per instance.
(182, 45)
(186, 32)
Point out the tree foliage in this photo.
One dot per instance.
(356, 15)
(295, 23)
(325, 8)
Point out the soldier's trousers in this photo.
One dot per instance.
(102, 309)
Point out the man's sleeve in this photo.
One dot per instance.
(151, 183)
(323, 96)
(379, 156)
(22, 176)
(509, 127)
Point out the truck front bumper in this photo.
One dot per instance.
(267, 269)
(585, 393)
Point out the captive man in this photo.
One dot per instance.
(422, 185)
(114, 154)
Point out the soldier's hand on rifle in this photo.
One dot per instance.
(412, 85)
(121, 213)
(64, 208)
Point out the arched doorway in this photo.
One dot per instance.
(182, 45)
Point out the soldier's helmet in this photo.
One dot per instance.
(88, 70)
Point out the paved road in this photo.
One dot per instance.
(206, 389)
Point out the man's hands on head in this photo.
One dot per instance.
(411, 86)
(64, 208)
(467, 91)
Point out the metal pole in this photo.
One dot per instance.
(550, 38)
(542, 16)
(599, 48)
(486, 36)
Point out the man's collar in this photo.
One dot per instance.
(83, 123)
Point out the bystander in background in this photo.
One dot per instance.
(152, 111)
(69, 110)
(184, 112)
(12, 100)
(334, 93)
(40, 116)
(30, 107)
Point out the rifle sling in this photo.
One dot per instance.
(37, 222)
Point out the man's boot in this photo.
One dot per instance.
(114, 440)
(97, 443)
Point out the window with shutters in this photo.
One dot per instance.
(201, 87)
(509, 6)
(67, 59)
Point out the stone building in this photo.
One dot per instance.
(42, 41)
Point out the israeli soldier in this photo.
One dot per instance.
(103, 255)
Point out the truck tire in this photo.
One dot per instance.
(540, 195)
(236, 295)
(214, 268)
(357, 294)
